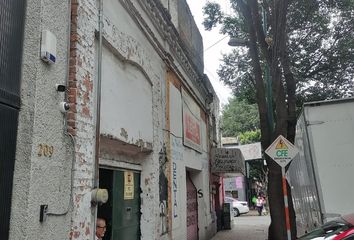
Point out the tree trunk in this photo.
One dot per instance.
(259, 83)
(283, 110)
(277, 228)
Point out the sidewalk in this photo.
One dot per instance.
(246, 227)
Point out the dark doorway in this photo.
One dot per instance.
(122, 211)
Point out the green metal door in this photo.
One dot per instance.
(126, 206)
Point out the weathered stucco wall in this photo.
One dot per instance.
(189, 33)
(44, 152)
(134, 100)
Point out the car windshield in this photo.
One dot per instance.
(328, 230)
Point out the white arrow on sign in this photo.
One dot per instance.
(282, 151)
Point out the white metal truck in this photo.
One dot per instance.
(322, 174)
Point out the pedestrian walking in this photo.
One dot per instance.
(259, 205)
(254, 201)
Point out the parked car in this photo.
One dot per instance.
(238, 207)
(341, 228)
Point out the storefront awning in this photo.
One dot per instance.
(227, 162)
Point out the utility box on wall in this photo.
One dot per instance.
(48, 47)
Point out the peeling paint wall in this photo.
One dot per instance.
(81, 117)
(183, 158)
(141, 121)
(133, 100)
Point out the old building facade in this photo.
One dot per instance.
(142, 120)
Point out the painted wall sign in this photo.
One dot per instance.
(227, 160)
(200, 193)
(174, 187)
(128, 185)
(191, 122)
(176, 158)
(239, 182)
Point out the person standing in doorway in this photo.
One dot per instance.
(100, 228)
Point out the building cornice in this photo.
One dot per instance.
(177, 56)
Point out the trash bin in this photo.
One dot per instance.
(227, 215)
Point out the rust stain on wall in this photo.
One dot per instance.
(171, 78)
(174, 80)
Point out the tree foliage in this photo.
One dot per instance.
(250, 137)
(320, 47)
(238, 117)
(296, 51)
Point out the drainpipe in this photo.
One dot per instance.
(98, 98)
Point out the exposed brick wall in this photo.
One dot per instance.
(81, 95)
(72, 90)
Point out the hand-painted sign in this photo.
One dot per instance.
(282, 151)
(227, 160)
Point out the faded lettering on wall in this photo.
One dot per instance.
(175, 204)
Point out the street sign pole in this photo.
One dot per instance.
(286, 204)
(282, 152)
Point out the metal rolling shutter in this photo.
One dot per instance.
(11, 42)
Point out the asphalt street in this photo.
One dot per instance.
(246, 227)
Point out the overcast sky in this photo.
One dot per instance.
(214, 45)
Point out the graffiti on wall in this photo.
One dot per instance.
(163, 191)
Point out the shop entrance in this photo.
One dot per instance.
(122, 211)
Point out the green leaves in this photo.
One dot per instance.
(214, 15)
(320, 46)
(239, 117)
(250, 137)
